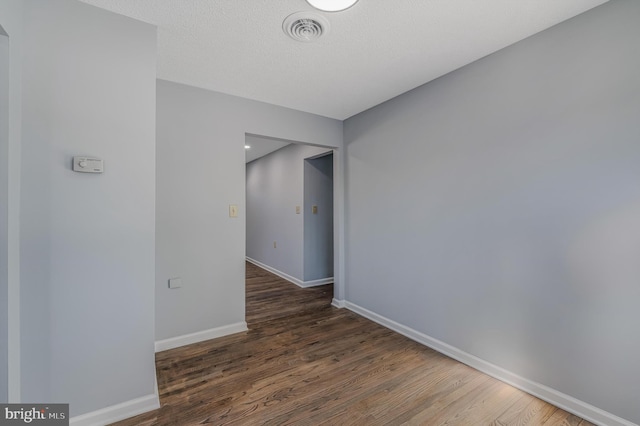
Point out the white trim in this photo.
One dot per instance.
(284, 276)
(338, 223)
(155, 383)
(338, 303)
(200, 336)
(316, 283)
(118, 412)
(566, 402)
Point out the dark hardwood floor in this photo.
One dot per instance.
(303, 362)
(269, 297)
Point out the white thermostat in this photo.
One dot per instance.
(88, 165)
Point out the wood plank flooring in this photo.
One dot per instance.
(269, 297)
(303, 362)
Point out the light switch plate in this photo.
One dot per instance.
(297, 209)
(175, 283)
(233, 210)
(314, 209)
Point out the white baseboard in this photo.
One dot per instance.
(200, 336)
(338, 303)
(117, 412)
(566, 402)
(316, 283)
(294, 280)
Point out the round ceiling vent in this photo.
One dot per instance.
(305, 26)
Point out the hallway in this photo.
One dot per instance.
(269, 297)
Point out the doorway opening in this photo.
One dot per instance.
(289, 226)
(318, 218)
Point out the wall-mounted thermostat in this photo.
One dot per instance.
(88, 165)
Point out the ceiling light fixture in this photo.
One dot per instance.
(332, 5)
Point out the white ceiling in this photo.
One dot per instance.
(374, 51)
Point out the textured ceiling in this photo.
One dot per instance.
(374, 51)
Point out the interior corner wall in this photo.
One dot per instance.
(274, 187)
(200, 172)
(12, 22)
(4, 216)
(87, 240)
(318, 226)
(497, 208)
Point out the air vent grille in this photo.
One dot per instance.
(305, 27)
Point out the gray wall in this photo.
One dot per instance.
(4, 215)
(200, 171)
(275, 186)
(497, 209)
(87, 241)
(318, 228)
(11, 21)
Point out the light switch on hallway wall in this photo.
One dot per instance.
(233, 210)
(314, 209)
(297, 209)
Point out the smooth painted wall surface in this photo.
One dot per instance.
(200, 172)
(11, 22)
(87, 240)
(4, 216)
(497, 208)
(318, 227)
(275, 186)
